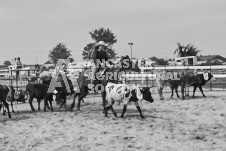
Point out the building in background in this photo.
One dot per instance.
(211, 60)
(187, 61)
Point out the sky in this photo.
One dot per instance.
(29, 29)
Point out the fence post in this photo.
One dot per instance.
(210, 80)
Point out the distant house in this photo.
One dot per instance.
(189, 60)
(211, 59)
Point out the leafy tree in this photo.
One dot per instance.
(188, 50)
(60, 52)
(192, 50)
(7, 63)
(97, 35)
(87, 51)
(159, 61)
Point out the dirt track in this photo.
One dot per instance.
(193, 124)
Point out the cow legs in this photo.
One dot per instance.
(3, 110)
(160, 93)
(139, 110)
(47, 105)
(50, 103)
(200, 88)
(106, 110)
(176, 89)
(115, 114)
(39, 102)
(104, 101)
(30, 102)
(45, 102)
(64, 100)
(124, 110)
(12, 106)
(172, 92)
(73, 103)
(80, 98)
(7, 107)
(182, 91)
(46, 98)
(2, 107)
(195, 86)
(79, 102)
(187, 91)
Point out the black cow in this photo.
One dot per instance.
(204, 78)
(83, 89)
(7, 93)
(39, 91)
(62, 91)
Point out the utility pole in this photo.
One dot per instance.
(130, 48)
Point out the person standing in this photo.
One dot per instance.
(18, 66)
(18, 63)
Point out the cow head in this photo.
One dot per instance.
(58, 97)
(146, 92)
(211, 77)
(19, 96)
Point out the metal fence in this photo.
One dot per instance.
(17, 80)
(143, 79)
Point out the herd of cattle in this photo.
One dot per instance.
(121, 93)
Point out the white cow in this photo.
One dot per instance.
(123, 93)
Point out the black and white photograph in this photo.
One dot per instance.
(112, 75)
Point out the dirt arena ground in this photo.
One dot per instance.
(171, 125)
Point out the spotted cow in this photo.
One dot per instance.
(123, 93)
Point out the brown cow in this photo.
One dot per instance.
(7, 93)
(184, 77)
(204, 77)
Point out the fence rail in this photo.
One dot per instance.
(184, 67)
(144, 78)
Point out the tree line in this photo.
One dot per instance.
(60, 51)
